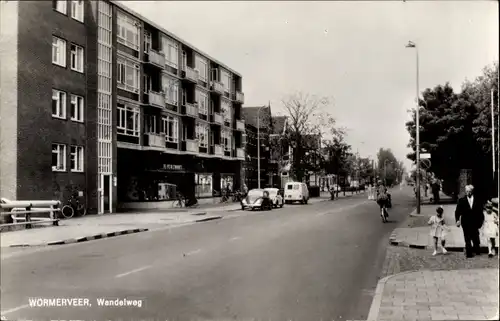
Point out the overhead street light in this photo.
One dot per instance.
(411, 44)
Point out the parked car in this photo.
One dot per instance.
(257, 199)
(276, 198)
(296, 192)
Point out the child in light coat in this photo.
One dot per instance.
(439, 230)
(490, 228)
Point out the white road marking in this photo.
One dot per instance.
(15, 309)
(193, 252)
(133, 271)
(235, 238)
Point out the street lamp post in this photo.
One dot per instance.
(258, 145)
(411, 44)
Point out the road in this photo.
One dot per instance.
(303, 262)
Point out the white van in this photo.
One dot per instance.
(296, 192)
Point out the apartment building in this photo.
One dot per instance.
(264, 124)
(103, 102)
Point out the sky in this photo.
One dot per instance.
(351, 51)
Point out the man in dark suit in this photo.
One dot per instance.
(469, 215)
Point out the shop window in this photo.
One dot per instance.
(203, 183)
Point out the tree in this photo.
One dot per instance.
(456, 130)
(304, 131)
(389, 168)
(338, 160)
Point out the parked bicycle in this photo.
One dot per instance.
(73, 206)
(182, 201)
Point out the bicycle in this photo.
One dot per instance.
(180, 201)
(73, 206)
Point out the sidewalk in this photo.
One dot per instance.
(93, 227)
(419, 237)
(437, 295)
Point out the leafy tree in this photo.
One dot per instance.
(390, 170)
(456, 130)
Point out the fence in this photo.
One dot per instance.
(29, 208)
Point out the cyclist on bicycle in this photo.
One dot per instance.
(382, 199)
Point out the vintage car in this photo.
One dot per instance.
(275, 197)
(257, 199)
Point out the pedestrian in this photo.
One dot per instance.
(469, 215)
(435, 191)
(490, 228)
(439, 230)
(426, 188)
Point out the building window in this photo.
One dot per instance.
(76, 158)
(60, 6)
(147, 41)
(170, 126)
(128, 75)
(226, 139)
(171, 90)
(58, 157)
(171, 50)
(128, 120)
(146, 83)
(76, 58)
(150, 125)
(226, 80)
(202, 134)
(58, 51)
(201, 66)
(226, 111)
(77, 10)
(128, 31)
(77, 108)
(202, 100)
(203, 183)
(58, 104)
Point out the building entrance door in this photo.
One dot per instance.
(105, 194)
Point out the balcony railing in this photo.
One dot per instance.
(217, 87)
(155, 140)
(218, 118)
(191, 110)
(240, 97)
(156, 58)
(191, 145)
(240, 153)
(156, 99)
(219, 151)
(240, 125)
(191, 74)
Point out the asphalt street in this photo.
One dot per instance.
(303, 262)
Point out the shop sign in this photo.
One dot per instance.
(173, 167)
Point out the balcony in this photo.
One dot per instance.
(218, 118)
(191, 110)
(156, 58)
(191, 74)
(217, 87)
(191, 146)
(240, 125)
(240, 97)
(155, 140)
(219, 151)
(240, 153)
(156, 99)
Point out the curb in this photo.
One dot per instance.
(377, 298)
(210, 218)
(87, 238)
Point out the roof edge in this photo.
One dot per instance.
(171, 35)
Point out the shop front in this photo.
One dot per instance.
(155, 176)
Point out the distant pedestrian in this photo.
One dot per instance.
(439, 230)
(490, 228)
(435, 187)
(469, 215)
(426, 188)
